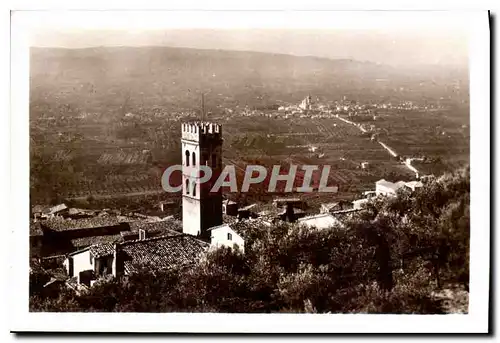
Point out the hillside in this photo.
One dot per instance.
(119, 79)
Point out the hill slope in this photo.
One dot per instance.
(118, 79)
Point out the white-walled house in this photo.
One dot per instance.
(320, 221)
(413, 185)
(224, 235)
(89, 263)
(383, 187)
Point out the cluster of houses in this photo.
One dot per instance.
(96, 244)
(99, 244)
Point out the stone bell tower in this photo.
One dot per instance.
(201, 209)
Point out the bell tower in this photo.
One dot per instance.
(201, 209)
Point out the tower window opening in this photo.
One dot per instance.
(187, 158)
(194, 158)
(194, 188)
(187, 186)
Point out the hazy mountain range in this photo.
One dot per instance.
(143, 77)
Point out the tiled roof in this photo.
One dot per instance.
(162, 252)
(59, 224)
(101, 250)
(57, 208)
(88, 241)
(170, 227)
(330, 205)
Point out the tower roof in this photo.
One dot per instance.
(195, 130)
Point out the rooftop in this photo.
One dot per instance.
(414, 184)
(388, 184)
(83, 242)
(57, 208)
(163, 252)
(170, 226)
(329, 205)
(59, 224)
(101, 250)
(320, 221)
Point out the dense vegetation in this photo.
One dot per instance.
(391, 259)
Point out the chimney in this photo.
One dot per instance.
(142, 234)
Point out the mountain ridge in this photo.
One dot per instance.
(142, 77)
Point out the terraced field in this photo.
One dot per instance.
(129, 157)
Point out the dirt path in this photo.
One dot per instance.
(391, 151)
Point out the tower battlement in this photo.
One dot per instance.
(195, 130)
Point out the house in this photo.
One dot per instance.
(413, 185)
(288, 213)
(61, 236)
(163, 205)
(383, 187)
(76, 213)
(228, 236)
(320, 221)
(247, 212)
(56, 211)
(38, 210)
(230, 208)
(168, 227)
(345, 214)
(131, 231)
(387, 188)
(329, 207)
(159, 253)
(124, 258)
(294, 202)
(90, 263)
(234, 235)
(369, 194)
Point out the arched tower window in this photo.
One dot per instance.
(187, 158)
(194, 158)
(187, 186)
(194, 188)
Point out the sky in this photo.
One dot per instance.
(390, 37)
(393, 48)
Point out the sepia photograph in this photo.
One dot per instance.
(271, 163)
